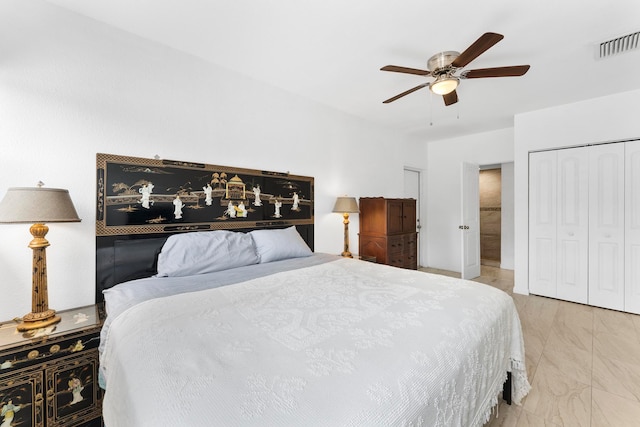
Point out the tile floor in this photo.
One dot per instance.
(583, 362)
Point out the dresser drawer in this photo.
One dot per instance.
(396, 245)
(396, 261)
(403, 243)
(398, 250)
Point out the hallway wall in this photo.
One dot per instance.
(490, 216)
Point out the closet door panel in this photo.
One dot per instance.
(573, 225)
(606, 226)
(632, 227)
(542, 223)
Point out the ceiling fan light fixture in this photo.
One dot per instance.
(444, 85)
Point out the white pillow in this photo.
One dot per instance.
(194, 253)
(274, 245)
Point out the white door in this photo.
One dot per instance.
(632, 227)
(412, 191)
(606, 226)
(573, 224)
(470, 228)
(542, 223)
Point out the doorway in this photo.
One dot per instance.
(490, 186)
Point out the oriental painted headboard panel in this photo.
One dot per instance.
(140, 202)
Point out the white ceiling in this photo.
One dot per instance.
(331, 51)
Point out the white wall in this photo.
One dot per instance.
(606, 119)
(71, 87)
(443, 205)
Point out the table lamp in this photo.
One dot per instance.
(38, 205)
(346, 205)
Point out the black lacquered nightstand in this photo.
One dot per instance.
(49, 376)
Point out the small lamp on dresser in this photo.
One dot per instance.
(346, 205)
(38, 205)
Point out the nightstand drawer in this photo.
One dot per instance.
(36, 354)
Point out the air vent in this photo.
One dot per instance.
(619, 45)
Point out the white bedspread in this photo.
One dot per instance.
(346, 343)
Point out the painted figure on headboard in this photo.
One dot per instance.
(242, 210)
(8, 412)
(296, 202)
(76, 387)
(146, 191)
(256, 194)
(278, 205)
(231, 210)
(207, 193)
(177, 203)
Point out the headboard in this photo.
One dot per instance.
(141, 202)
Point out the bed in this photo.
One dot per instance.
(313, 340)
(249, 326)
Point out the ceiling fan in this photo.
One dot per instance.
(444, 65)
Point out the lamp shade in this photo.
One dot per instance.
(346, 205)
(37, 205)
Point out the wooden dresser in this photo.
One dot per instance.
(388, 231)
(49, 376)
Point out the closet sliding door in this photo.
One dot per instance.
(573, 225)
(606, 226)
(542, 223)
(559, 224)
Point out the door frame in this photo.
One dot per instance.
(418, 196)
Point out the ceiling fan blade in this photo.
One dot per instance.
(513, 71)
(486, 41)
(406, 70)
(405, 93)
(450, 98)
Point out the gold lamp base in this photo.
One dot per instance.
(346, 252)
(41, 315)
(38, 320)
